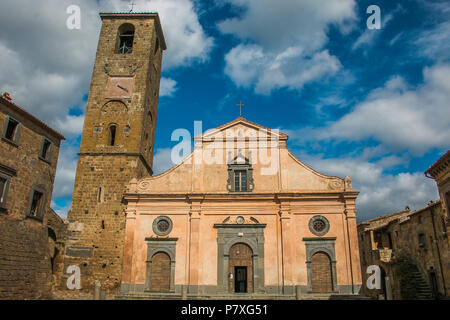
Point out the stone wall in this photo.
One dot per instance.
(25, 266)
(25, 271)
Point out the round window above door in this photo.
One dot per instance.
(162, 226)
(319, 225)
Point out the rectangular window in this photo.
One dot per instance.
(390, 240)
(421, 240)
(237, 181)
(240, 180)
(45, 149)
(11, 130)
(36, 204)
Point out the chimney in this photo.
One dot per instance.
(7, 96)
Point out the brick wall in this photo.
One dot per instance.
(25, 271)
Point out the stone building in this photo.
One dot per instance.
(440, 172)
(28, 160)
(411, 248)
(116, 146)
(241, 214)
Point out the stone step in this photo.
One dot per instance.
(149, 296)
(174, 296)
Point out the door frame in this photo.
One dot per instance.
(227, 236)
(155, 245)
(314, 245)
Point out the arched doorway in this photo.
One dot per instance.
(321, 273)
(240, 269)
(160, 273)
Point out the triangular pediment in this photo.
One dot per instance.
(241, 128)
(239, 160)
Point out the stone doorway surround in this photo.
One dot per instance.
(326, 245)
(231, 234)
(155, 245)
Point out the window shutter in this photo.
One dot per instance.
(17, 133)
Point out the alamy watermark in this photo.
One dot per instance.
(74, 280)
(374, 280)
(374, 21)
(74, 19)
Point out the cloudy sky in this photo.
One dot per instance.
(367, 103)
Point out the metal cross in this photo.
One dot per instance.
(132, 6)
(240, 105)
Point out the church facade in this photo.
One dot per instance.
(241, 214)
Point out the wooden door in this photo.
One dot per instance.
(240, 255)
(321, 276)
(160, 273)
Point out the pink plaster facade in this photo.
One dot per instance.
(194, 195)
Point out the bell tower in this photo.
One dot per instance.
(116, 145)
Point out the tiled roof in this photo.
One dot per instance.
(442, 160)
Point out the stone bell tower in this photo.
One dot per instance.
(116, 146)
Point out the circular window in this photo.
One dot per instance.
(240, 220)
(162, 226)
(319, 225)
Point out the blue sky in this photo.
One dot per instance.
(370, 104)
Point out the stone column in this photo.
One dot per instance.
(352, 236)
(287, 251)
(194, 258)
(97, 288)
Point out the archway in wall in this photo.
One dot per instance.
(321, 273)
(240, 269)
(160, 273)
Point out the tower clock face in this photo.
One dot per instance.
(119, 87)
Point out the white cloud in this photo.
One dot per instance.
(380, 193)
(65, 172)
(62, 211)
(435, 43)
(167, 87)
(283, 46)
(70, 126)
(162, 160)
(401, 118)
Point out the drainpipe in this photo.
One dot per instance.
(437, 248)
(282, 254)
